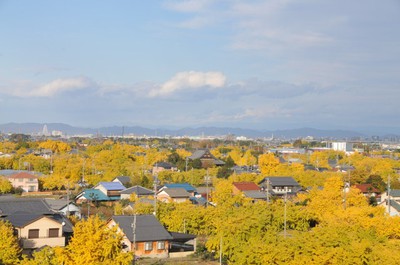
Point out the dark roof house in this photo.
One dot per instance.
(124, 180)
(280, 186)
(207, 159)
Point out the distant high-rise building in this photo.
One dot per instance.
(342, 146)
(45, 131)
(56, 133)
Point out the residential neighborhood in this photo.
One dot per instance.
(173, 207)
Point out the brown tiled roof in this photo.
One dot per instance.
(366, 188)
(23, 175)
(243, 186)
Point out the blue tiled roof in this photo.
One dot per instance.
(112, 185)
(186, 186)
(93, 194)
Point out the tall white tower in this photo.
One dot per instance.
(45, 132)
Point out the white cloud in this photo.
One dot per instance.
(189, 80)
(61, 85)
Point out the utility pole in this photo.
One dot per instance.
(284, 213)
(220, 251)
(388, 193)
(207, 178)
(67, 213)
(134, 235)
(155, 195)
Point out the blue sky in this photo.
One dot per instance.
(258, 64)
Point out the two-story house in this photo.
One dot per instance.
(143, 234)
(280, 186)
(35, 223)
(26, 181)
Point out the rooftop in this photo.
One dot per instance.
(112, 185)
(148, 228)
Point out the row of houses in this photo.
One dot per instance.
(37, 223)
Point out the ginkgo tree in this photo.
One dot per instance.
(94, 243)
(9, 248)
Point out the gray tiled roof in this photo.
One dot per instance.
(148, 228)
(55, 204)
(395, 205)
(10, 205)
(20, 210)
(165, 165)
(255, 194)
(123, 179)
(177, 192)
(395, 193)
(280, 181)
(198, 154)
(20, 220)
(138, 190)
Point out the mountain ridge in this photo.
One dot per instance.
(69, 130)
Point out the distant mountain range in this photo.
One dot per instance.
(39, 128)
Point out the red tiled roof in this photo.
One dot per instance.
(242, 186)
(23, 175)
(366, 188)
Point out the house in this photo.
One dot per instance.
(207, 159)
(368, 190)
(394, 198)
(94, 196)
(138, 190)
(37, 230)
(186, 186)
(239, 187)
(161, 166)
(249, 190)
(26, 181)
(61, 206)
(111, 189)
(279, 186)
(151, 239)
(245, 169)
(148, 239)
(35, 223)
(205, 192)
(124, 180)
(173, 195)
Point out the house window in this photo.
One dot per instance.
(21, 180)
(33, 233)
(148, 246)
(15, 232)
(31, 179)
(53, 232)
(32, 188)
(160, 245)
